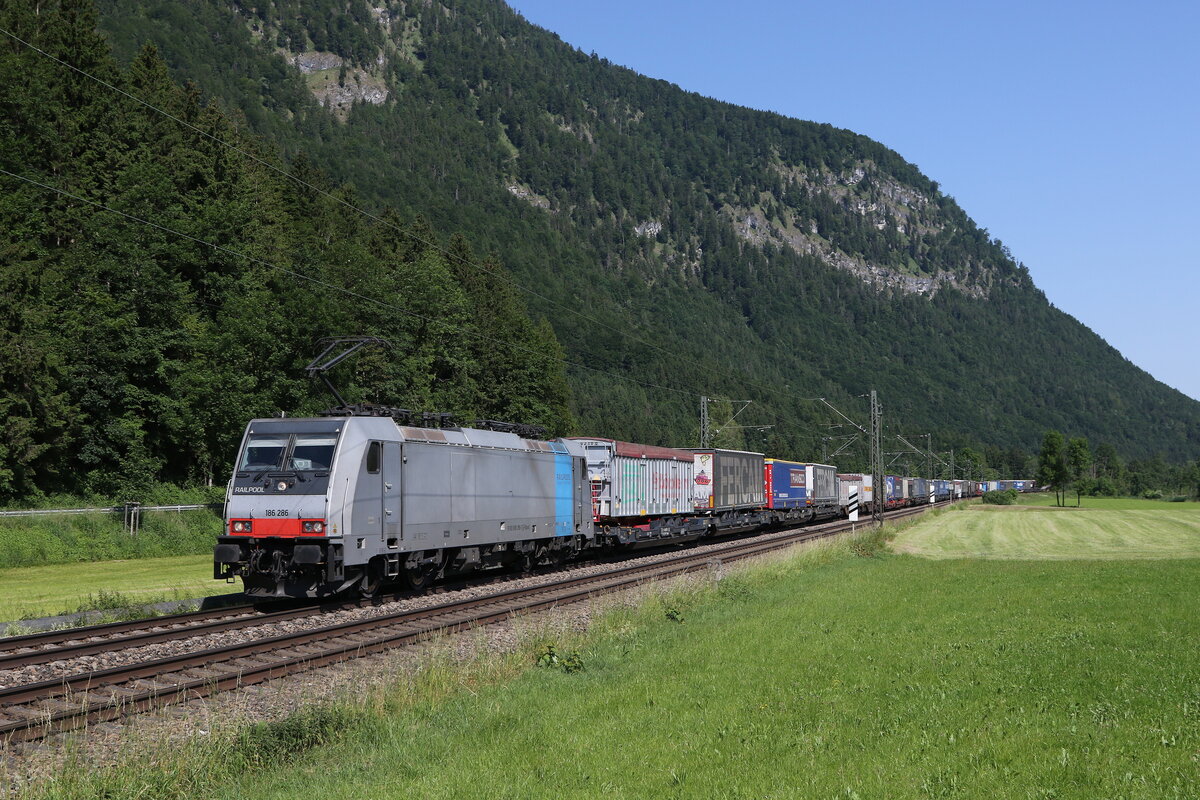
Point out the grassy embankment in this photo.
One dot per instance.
(1104, 528)
(32, 592)
(55, 564)
(828, 675)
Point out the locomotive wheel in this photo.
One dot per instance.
(371, 581)
(420, 577)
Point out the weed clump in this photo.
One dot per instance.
(871, 543)
(548, 657)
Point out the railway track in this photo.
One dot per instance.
(58, 645)
(35, 710)
(43, 648)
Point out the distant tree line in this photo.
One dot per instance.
(1070, 465)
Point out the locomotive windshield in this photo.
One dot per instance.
(312, 451)
(264, 452)
(300, 452)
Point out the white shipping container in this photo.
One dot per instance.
(630, 480)
(864, 483)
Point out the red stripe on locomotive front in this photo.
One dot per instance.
(260, 528)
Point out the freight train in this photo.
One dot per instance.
(348, 503)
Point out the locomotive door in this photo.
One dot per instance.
(393, 464)
(367, 513)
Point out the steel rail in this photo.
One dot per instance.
(46, 646)
(25, 641)
(73, 647)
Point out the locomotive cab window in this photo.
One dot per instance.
(373, 457)
(264, 452)
(312, 452)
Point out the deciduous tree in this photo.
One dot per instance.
(1053, 468)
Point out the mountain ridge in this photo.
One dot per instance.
(630, 182)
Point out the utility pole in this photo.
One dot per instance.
(876, 448)
(929, 456)
(706, 430)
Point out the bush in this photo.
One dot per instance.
(1006, 497)
(1152, 494)
(269, 743)
(34, 541)
(1102, 487)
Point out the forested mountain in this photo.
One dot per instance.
(159, 287)
(677, 245)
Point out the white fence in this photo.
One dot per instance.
(132, 512)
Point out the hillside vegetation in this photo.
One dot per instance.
(681, 245)
(551, 239)
(164, 282)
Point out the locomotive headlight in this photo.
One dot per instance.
(282, 486)
(313, 526)
(241, 526)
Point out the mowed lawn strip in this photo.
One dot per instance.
(1056, 533)
(27, 592)
(867, 677)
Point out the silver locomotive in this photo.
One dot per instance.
(325, 505)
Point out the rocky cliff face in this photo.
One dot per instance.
(335, 82)
(336, 85)
(864, 189)
(883, 203)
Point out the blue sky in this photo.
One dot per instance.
(1070, 130)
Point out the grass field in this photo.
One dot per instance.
(870, 678)
(67, 539)
(30, 592)
(829, 675)
(1109, 503)
(1141, 529)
